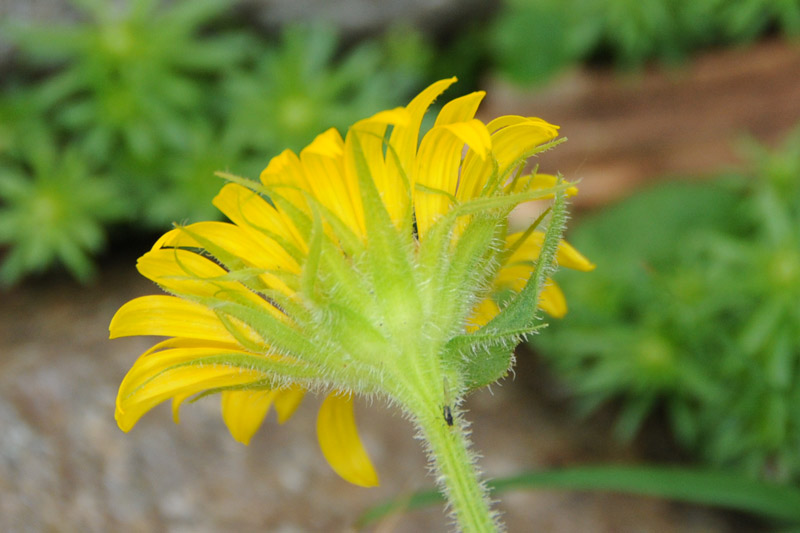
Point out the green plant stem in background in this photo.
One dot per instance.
(703, 487)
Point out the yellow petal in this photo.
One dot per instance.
(461, 109)
(396, 117)
(513, 139)
(474, 134)
(175, 373)
(391, 185)
(336, 189)
(287, 401)
(328, 144)
(188, 273)
(262, 253)
(404, 139)
(513, 276)
(512, 120)
(256, 216)
(244, 410)
(285, 169)
(168, 316)
(340, 443)
(566, 255)
(552, 300)
(482, 314)
(177, 401)
(284, 174)
(438, 165)
(183, 342)
(181, 271)
(546, 181)
(513, 143)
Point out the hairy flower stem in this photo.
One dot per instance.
(456, 472)
(426, 399)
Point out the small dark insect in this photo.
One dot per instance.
(448, 415)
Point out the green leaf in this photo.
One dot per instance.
(702, 487)
(484, 357)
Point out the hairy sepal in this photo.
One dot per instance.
(487, 353)
(389, 253)
(470, 266)
(521, 311)
(279, 334)
(485, 357)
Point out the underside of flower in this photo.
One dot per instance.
(370, 264)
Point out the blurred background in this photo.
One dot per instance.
(683, 347)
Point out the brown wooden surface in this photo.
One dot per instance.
(625, 129)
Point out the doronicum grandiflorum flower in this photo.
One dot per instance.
(369, 265)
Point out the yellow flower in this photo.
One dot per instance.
(345, 263)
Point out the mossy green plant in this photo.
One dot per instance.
(693, 311)
(53, 211)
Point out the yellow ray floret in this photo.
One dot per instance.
(172, 372)
(340, 443)
(258, 218)
(439, 164)
(261, 253)
(244, 410)
(168, 316)
(566, 255)
(514, 274)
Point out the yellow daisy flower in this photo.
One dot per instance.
(362, 265)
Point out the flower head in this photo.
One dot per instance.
(362, 265)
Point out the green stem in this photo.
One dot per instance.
(455, 468)
(467, 496)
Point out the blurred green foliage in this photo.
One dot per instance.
(149, 98)
(124, 79)
(694, 312)
(532, 40)
(56, 211)
(134, 105)
(301, 88)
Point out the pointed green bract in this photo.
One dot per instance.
(521, 311)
